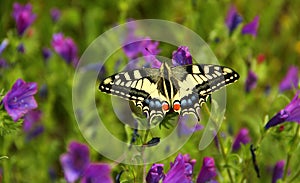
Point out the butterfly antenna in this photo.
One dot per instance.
(153, 56)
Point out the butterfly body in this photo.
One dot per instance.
(182, 89)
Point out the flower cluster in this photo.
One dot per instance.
(181, 170)
(233, 19)
(76, 165)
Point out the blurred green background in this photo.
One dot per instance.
(278, 39)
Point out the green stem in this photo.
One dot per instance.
(224, 155)
(143, 148)
(6, 164)
(289, 156)
(295, 176)
(146, 136)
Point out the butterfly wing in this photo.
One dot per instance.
(197, 82)
(140, 86)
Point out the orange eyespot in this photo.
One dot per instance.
(165, 106)
(176, 106)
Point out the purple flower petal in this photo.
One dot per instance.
(30, 119)
(55, 14)
(155, 174)
(233, 19)
(3, 63)
(3, 45)
(66, 48)
(180, 170)
(97, 173)
(134, 46)
(19, 100)
(278, 171)
(290, 113)
(31, 125)
(241, 138)
(181, 56)
(208, 171)
(251, 81)
(23, 16)
(291, 79)
(75, 161)
(21, 48)
(251, 27)
(183, 129)
(46, 53)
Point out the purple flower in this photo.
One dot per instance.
(23, 16)
(251, 81)
(208, 171)
(155, 174)
(290, 113)
(181, 170)
(55, 14)
(241, 138)
(97, 173)
(32, 125)
(149, 47)
(183, 129)
(43, 92)
(233, 19)
(132, 49)
(21, 48)
(3, 45)
(1, 174)
(3, 63)
(251, 27)
(75, 161)
(65, 47)
(189, 165)
(19, 100)
(291, 79)
(134, 46)
(181, 56)
(46, 53)
(278, 171)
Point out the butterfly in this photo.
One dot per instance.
(182, 89)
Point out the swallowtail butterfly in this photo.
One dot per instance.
(182, 89)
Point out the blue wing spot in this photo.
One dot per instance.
(157, 104)
(193, 98)
(183, 103)
(189, 101)
(151, 103)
